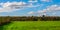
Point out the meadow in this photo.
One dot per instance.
(32, 25)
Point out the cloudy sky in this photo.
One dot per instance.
(29, 7)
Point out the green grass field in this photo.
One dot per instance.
(32, 25)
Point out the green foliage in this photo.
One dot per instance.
(4, 20)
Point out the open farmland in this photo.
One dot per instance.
(32, 25)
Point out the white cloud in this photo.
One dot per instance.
(33, 1)
(13, 6)
(52, 8)
(46, 0)
(31, 12)
(54, 13)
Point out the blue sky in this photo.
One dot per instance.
(40, 7)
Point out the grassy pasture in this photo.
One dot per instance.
(32, 25)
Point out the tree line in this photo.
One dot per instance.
(7, 19)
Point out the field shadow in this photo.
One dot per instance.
(2, 26)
